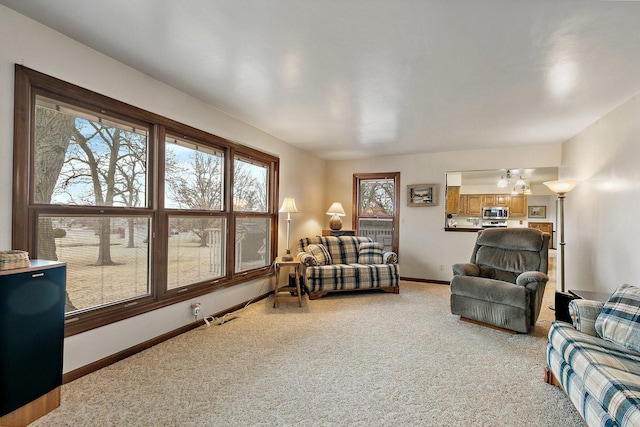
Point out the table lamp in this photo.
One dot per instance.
(336, 210)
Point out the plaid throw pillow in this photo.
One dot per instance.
(370, 253)
(619, 320)
(320, 253)
(583, 313)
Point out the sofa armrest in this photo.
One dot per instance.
(531, 278)
(389, 257)
(307, 259)
(465, 269)
(584, 313)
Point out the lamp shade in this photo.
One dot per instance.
(336, 209)
(288, 205)
(560, 187)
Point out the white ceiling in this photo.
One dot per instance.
(358, 78)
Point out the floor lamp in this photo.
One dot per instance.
(288, 206)
(561, 188)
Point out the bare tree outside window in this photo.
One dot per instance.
(89, 171)
(250, 190)
(376, 198)
(87, 160)
(53, 133)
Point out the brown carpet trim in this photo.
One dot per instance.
(116, 357)
(416, 279)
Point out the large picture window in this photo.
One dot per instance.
(145, 211)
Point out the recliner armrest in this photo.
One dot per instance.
(529, 277)
(465, 269)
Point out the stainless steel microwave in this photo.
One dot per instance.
(495, 213)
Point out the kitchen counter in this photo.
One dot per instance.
(463, 229)
(471, 229)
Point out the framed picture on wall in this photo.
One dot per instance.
(537, 211)
(422, 195)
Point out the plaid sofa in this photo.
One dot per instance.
(601, 378)
(345, 272)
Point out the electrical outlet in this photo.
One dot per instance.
(195, 308)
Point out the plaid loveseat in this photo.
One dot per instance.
(346, 263)
(600, 377)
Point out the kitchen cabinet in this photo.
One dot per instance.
(502, 200)
(31, 340)
(546, 227)
(453, 200)
(517, 205)
(474, 204)
(462, 205)
(495, 200)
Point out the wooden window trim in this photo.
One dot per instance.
(357, 177)
(28, 84)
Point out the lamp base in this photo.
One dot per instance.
(335, 223)
(287, 256)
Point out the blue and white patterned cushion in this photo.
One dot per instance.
(619, 320)
(320, 253)
(583, 313)
(600, 377)
(370, 253)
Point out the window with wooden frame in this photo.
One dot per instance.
(376, 207)
(145, 211)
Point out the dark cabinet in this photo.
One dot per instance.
(31, 334)
(338, 233)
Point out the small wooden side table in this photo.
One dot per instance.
(297, 266)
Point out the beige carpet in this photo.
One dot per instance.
(367, 359)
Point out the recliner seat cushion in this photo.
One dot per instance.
(493, 291)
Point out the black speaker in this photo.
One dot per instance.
(562, 306)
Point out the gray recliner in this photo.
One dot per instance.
(504, 282)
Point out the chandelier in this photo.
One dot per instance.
(520, 187)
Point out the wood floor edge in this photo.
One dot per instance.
(417, 279)
(121, 355)
(32, 411)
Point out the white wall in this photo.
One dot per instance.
(27, 42)
(602, 226)
(426, 250)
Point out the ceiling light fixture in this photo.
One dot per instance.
(505, 180)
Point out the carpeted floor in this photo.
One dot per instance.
(365, 359)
